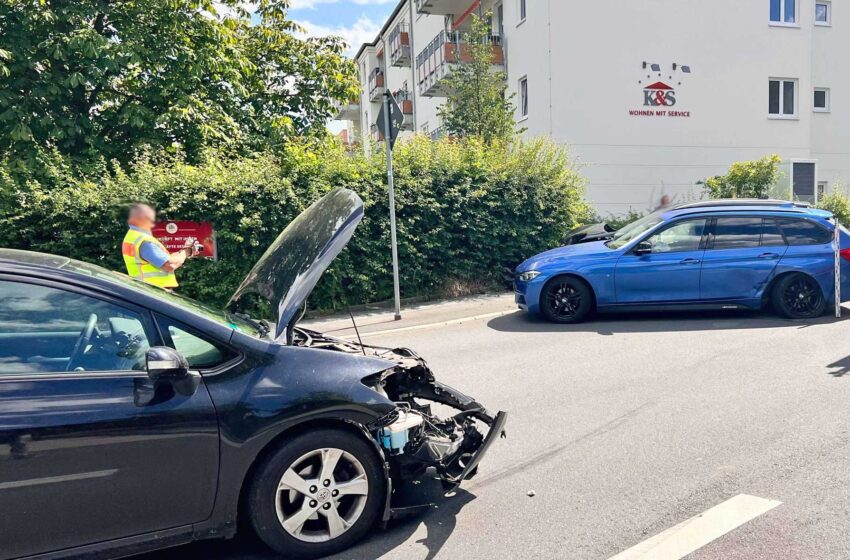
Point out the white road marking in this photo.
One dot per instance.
(431, 325)
(693, 534)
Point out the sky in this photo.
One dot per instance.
(356, 21)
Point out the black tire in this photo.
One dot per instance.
(566, 299)
(798, 296)
(263, 498)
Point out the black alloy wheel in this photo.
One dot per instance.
(566, 300)
(798, 296)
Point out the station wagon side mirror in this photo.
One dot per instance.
(166, 365)
(643, 248)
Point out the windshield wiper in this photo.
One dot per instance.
(262, 325)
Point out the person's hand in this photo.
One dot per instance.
(189, 247)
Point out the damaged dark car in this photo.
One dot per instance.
(167, 421)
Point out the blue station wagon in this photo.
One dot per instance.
(721, 254)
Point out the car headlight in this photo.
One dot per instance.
(528, 276)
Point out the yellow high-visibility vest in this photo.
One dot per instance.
(140, 269)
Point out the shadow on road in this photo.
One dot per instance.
(669, 321)
(840, 368)
(438, 520)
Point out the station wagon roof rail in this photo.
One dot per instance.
(743, 202)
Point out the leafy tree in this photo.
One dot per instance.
(838, 203)
(745, 179)
(477, 104)
(110, 78)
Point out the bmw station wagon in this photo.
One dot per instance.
(721, 254)
(133, 419)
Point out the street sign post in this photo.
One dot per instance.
(390, 119)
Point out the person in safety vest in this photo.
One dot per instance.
(145, 257)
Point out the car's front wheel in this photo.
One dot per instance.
(317, 495)
(566, 299)
(798, 296)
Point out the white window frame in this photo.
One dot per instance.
(782, 116)
(828, 100)
(522, 6)
(828, 22)
(821, 186)
(523, 98)
(782, 22)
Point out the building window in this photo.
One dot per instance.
(782, 99)
(783, 12)
(823, 13)
(821, 101)
(822, 186)
(425, 129)
(522, 11)
(523, 97)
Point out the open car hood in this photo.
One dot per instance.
(290, 268)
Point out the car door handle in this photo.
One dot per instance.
(768, 256)
(689, 261)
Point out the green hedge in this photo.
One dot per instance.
(465, 210)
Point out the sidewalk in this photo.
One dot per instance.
(416, 316)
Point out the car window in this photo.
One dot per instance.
(682, 236)
(199, 352)
(49, 330)
(771, 235)
(737, 233)
(632, 231)
(804, 232)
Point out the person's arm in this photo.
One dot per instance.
(167, 262)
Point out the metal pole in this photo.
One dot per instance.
(388, 144)
(836, 245)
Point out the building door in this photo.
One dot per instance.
(804, 177)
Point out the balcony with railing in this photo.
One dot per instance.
(376, 84)
(399, 45)
(347, 110)
(436, 61)
(404, 98)
(443, 7)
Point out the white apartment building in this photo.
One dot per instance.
(652, 97)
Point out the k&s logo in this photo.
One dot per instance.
(659, 94)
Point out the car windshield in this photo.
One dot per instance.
(632, 231)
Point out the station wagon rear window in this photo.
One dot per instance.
(804, 232)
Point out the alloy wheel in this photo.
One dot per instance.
(564, 300)
(321, 495)
(801, 296)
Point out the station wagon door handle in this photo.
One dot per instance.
(769, 256)
(689, 261)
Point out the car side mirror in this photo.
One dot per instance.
(166, 366)
(643, 248)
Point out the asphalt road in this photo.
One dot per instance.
(626, 426)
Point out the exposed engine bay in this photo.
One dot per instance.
(433, 425)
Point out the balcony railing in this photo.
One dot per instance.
(435, 61)
(404, 98)
(347, 110)
(438, 133)
(400, 45)
(376, 84)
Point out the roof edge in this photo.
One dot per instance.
(384, 28)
